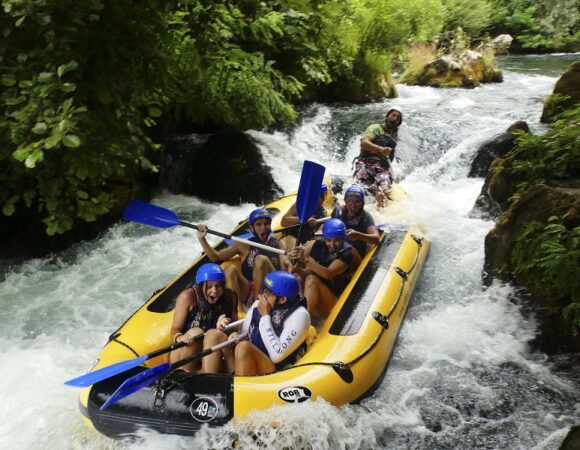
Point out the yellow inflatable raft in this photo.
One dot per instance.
(345, 361)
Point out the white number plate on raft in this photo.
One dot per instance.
(203, 409)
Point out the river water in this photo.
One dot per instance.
(462, 374)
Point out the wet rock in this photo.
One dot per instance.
(465, 69)
(537, 204)
(572, 439)
(501, 44)
(498, 146)
(497, 189)
(566, 93)
(223, 167)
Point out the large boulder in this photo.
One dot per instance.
(224, 167)
(467, 69)
(535, 205)
(566, 93)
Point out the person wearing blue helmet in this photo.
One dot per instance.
(326, 266)
(204, 305)
(247, 280)
(377, 151)
(291, 219)
(360, 225)
(277, 325)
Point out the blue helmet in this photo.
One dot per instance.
(210, 272)
(283, 284)
(323, 189)
(355, 191)
(334, 229)
(259, 213)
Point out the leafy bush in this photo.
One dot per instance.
(549, 255)
(554, 155)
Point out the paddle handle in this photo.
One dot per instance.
(208, 351)
(266, 248)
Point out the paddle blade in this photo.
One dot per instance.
(148, 214)
(135, 383)
(309, 189)
(106, 372)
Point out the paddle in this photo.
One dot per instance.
(149, 376)
(279, 230)
(114, 369)
(156, 216)
(308, 191)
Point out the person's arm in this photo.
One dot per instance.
(372, 234)
(370, 237)
(212, 254)
(300, 253)
(367, 145)
(335, 268)
(366, 142)
(290, 217)
(180, 314)
(295, 330)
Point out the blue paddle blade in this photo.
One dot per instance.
(309, 189)
(136, 382)
(106, 372)
(148, 214)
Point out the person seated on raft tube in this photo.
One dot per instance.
(307, 231)
(277, 325)
(377, 151)
(361, 228)
(256, 263)
(205, 305)
(326, 266)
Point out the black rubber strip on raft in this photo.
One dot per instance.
(356, 308)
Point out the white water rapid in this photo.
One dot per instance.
(462, 374)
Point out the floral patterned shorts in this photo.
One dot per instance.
(373, 175)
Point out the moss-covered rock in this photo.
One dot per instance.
(532, 246)
(536, 240)
(566, 94)
(466, 69)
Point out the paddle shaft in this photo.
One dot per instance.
(196, 338)
(292, 227)
(235, 238)
(207, 351)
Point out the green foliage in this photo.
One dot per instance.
(472, 17)
(552, 156)
(88, 88)
(549, 254)
(539, 25)
(74, 106)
